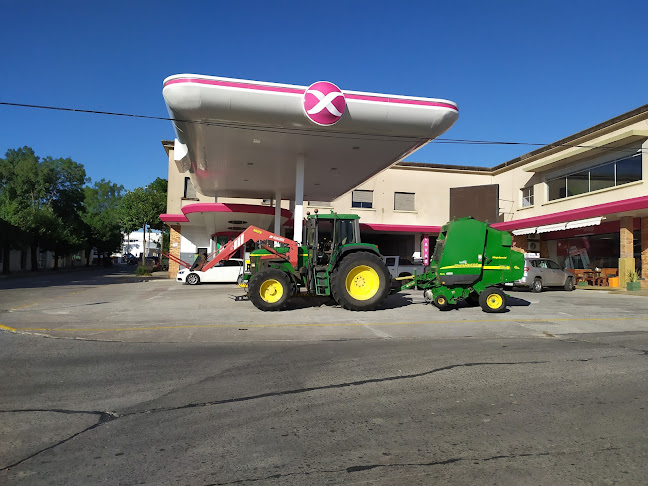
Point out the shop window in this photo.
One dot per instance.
(628, 170)
(602, 177)
(591, 251)
(527, 197)
(578, 183)
(611, 174)
(557, 188)
(362, 199)
(189, 189)
(404, 201)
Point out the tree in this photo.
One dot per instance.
(11, 237)
(141, 208)
(63, 181)
(42, 199)
(102, 217)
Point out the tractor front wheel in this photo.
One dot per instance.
(270, 290)
(361, 282)
(492, 300)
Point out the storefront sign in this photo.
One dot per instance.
(425, 246)
(324, 103)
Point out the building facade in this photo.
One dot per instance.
(134, 244)
(581, 201)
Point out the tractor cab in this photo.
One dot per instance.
(326, 234)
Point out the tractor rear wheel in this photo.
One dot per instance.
(361, 282)
(492, 300)
(270, 290)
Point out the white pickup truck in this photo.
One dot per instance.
(402, 267)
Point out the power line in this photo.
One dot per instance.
(312, 132)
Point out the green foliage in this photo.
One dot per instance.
(632, 276)
(46, 203)
(43, 199)
(142, 206)
(102, 217)
(142, 270)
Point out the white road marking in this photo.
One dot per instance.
(379, 332)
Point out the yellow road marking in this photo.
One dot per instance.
(23, 306)
(332, 324)
(7, 328)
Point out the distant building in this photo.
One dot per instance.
(133, 244)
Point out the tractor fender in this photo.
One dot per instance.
(344, 252)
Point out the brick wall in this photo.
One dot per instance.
(520, 243)
(644, 252)
(626, 250)
(174, 249)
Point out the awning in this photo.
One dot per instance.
(551, 227)
(582, 223)
(525, 231)
(548, 228)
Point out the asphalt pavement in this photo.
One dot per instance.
(113, 379)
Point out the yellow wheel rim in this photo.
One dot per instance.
(494, 301)
(362, 282)
(441, 300)
(271, 290)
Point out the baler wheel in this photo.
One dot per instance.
(361, 282)
(492, 300)
(270, 290)
(440, 302)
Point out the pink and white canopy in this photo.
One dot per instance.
(242, 138)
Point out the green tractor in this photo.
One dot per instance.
(333, 262)
(470, 262)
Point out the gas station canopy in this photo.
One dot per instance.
(227, 218)
(254, 139)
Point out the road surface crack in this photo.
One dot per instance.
(334, 386)
(104, 417)
(367, 467)
(643, 352)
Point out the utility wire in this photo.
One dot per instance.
(311, 132)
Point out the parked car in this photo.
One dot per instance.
(402, 267)
(225, 271)
(542, 272)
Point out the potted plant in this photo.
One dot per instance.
(633, 281)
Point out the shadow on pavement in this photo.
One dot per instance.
(73, 277)
(517, 302)
(393, 302)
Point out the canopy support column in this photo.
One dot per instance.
(277, 214)
(299, 200)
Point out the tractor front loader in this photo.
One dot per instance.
(470, 262)
(333, 262)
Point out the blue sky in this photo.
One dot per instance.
(520, 71)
